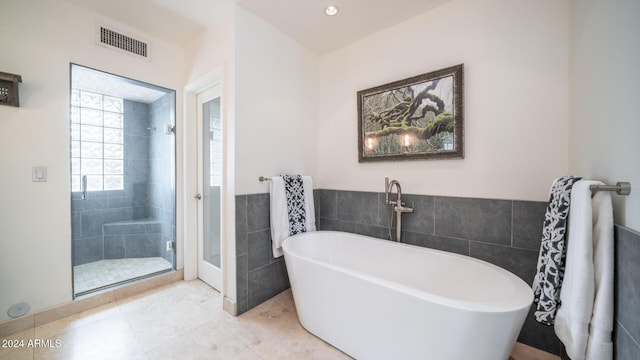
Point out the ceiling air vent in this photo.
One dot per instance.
(117, 40)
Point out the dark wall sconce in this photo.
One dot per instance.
(9, 89)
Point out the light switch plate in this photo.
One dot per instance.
(39, 174)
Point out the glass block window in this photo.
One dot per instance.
(97, 141)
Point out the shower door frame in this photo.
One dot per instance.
(173, 156)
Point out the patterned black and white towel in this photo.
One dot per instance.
(295, 203)
(291, 208)
(551, 261)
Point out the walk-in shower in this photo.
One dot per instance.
(122, 179)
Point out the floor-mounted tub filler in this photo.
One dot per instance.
(377, 299)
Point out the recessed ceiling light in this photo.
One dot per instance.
(331, 10)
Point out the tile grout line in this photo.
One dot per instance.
(627, 332)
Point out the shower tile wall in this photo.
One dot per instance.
(161, 163)
(102, 207)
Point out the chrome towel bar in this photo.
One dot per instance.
(621, 188)
(264, 178)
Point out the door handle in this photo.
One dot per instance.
(199, 196)
(84, 187)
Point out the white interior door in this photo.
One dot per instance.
(209, 187)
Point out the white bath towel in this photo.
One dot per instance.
(280, 216)
(584, 321)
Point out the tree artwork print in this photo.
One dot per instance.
(416, 118)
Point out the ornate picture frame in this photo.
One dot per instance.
(421, 117)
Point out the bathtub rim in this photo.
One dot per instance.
(525, 293)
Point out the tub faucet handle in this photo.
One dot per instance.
(403, 208)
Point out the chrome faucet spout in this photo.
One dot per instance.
(398, 193)
(398, 206)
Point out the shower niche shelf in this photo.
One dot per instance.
(9, 89)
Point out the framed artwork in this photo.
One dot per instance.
(417, 118)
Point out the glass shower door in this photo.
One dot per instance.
(122, 187)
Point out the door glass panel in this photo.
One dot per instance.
(212, 180)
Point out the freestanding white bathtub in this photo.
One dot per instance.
(377, 299)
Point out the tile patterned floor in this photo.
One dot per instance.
(183, 320)
(102, 273)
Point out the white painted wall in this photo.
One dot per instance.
(605, 124)
(276, 105)
(269, 116)
(35, 219)
(516, 57)
(292, 112)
